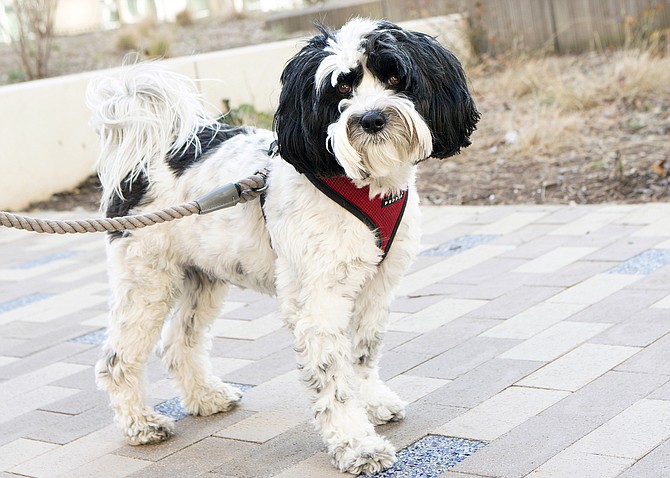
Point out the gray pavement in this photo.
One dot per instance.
(528, 341)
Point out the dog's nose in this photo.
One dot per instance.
(373, 121)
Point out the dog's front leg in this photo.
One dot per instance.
(320, 316)
(370, 321)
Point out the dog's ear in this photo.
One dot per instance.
(441, 94)
(302, 118)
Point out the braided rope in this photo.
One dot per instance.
(251, 189)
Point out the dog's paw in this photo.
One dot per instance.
(366, 456)
(146, 429)
(382, 404)
(208, 401)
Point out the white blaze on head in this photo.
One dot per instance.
(346, 50)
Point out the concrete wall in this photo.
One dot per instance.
(47, 145)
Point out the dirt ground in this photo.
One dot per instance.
(587, 129)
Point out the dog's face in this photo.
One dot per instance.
(369, 99)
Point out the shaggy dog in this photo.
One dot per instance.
(359, 109)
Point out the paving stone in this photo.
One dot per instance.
(258, 372)
(515, 302)
(578, 367)
(32, 400)
(78, 403)
(661, 393)
(188, 431)
(555, 341)
(619, 307)
(394, 362)
(492, 269)
(252, 349)
(490, 289)
(653, 359)
(415, 303)
(263, 426)
(533, 320)
(37, 378)
(623, 249)
(548, 433)
(631, 434)
(64, 459)
(481, 383)
(511, 222)
(657, 280)
(410, 388)
(436, 315)
(463, 358)
(276, 455)
(60, 352)
(246, 329)
(318, 465)
(594, 289)
(22, 425)
(587, 224)
(573, 274)
(201, 457)
(501, 413)
(447, 336)
(575, 463)
(284, 392)
(449, 267)
(21, 450)
(83, 380)
(554, 260)
(654, 465)
(639, 330)
(110, 466)
(75, 426)
(537, 246)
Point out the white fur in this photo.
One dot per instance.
(346, 51)
(321, 261)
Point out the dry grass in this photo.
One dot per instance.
(545, 100)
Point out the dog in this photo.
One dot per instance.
(359, 108)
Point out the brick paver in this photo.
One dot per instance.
(541, 330)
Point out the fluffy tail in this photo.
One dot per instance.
(141, 118)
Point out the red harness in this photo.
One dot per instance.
(381, 215)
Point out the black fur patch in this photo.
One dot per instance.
(432, 77)
(133, 193)
(210, 139)
(305, 111)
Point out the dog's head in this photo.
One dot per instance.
(372, 99)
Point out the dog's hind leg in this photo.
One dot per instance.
(186, 345)
(371, 315)
(142, 296)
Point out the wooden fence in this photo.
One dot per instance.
(502, 25)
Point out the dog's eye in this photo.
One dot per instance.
(394, 79)
(343, 88)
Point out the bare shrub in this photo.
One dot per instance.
(34, 35)
(184, 18)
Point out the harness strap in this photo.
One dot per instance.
(381, 215)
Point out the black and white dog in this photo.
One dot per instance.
(359, 109)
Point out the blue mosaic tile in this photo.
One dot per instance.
(40, 261)
(97, 337)
(172, 407)
(430, 456)
(22, 301)
(644, 263)
(459, 245)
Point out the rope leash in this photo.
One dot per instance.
(229, 195)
